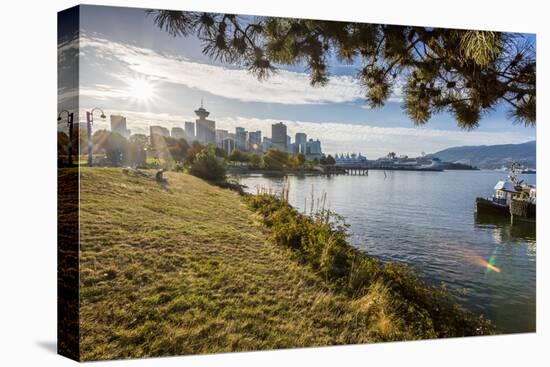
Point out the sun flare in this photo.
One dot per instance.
(141, 89)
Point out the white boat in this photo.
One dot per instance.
(511, 197)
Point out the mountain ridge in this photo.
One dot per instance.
(491, 156)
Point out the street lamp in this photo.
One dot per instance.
(70, 119)
(89, 122)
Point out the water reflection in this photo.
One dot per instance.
(505, 231)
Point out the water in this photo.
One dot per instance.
(427, 220)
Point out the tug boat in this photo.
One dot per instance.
(511, 198)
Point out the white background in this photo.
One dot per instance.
(28, 182)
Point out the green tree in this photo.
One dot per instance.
(113, 144)
(463, 72)
(330, 160)
(136, 150)
(192, 152)
(275, 159)
(177, 148)
(207, 166)
(255, 161)
(168, 148)
(238, 156)
(221, 153)
(296, 161)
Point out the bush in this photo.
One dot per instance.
(207, 166)
(238, 156)
(232, 185)
(275, 159)
(255, 161)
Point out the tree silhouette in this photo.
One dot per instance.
(463, 72)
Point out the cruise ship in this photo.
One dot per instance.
(390, 162)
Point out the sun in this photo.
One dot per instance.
(141, 89)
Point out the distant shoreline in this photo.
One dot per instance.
(246, 171)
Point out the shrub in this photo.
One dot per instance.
(238, 156)
(275, 159)
(207, 166)
(255, 161)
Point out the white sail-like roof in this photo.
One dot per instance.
(505, 186)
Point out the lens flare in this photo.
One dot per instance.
(472, 257)
(488, 265)
(491, 265)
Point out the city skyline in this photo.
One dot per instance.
(155, 79)
(205, 131)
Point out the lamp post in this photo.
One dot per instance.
(89, 123)
(70, 119)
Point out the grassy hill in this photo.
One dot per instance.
(186, 267)
(491, 156)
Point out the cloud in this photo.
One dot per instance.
(286, 87)
(374, 141)
(103, 92)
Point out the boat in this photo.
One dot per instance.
(529, 171)
(492, 207)
(524, 207)
(512, 197)
(523, 210)
(499, 203)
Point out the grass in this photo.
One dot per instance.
(187, 267)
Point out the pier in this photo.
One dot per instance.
(357, 171)
(363, 170)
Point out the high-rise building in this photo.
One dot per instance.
(313, 149)
(241, 134)
(255, 139)
(157, 135)
(266, 144)
(221, 135)
(177, 133)
(206, 129)
(190, 131)
(229, 144)
(118, 125)
(278, 136)
(300, 141)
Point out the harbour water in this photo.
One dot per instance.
(427, 220)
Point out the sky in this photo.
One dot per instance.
(128, 66)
